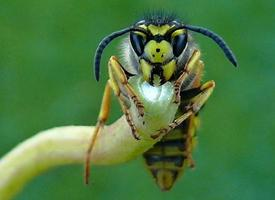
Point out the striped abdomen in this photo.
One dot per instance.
(169, 156)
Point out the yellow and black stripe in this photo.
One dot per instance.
(167, 159)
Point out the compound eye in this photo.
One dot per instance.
(138, 42)
(179, 43)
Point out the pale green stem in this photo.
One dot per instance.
(66, 145)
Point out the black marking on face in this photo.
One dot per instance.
(157, 70)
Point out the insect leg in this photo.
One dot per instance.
(172, 125)
(196, 103)
(102, 117)
(199, 100)
(190, 74)
(128, 117)
(123, 100)
(121, 78)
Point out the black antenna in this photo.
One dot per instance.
(218, 39)
(105, 41)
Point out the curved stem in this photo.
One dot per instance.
(67, 145)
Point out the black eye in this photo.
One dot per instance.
(138, 43)
(178, 43)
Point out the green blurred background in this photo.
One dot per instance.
(46, 49)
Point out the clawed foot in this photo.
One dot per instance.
(159, 132)
(135, 135)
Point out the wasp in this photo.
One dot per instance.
(158, 83)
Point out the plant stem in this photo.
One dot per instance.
(67, 145)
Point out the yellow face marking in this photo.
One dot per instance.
(146, 69)
(158, 30)
(178, 32)
(158, 52)
(143, 26)
(169, 69)
(140, 33)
